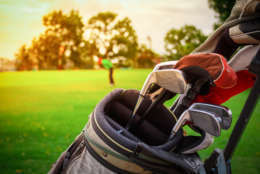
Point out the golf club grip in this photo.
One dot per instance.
(186, 101)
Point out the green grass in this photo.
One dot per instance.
(42, 112)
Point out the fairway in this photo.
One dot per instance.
(42, 112)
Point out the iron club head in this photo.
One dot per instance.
(170, 79)
(204, 120)
(223, 114)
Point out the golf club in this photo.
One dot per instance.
(223, 114)
(170, 79)
(204, 120)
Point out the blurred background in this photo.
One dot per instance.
(50, 80)
(72, 34)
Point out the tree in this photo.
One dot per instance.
(146, 58)
(45, 51)
(113, 38)
(61, 45)
(7, 64)
(180, 42)
(222, 8)
(23, 61)
(67, 29)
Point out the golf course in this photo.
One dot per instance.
(41, 112)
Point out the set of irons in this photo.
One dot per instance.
(209, 118)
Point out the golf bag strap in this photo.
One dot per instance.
(73, 151)
(57, 166)
(70, 155)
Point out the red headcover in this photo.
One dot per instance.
(217, 66)
(219, 95)
(228, 83)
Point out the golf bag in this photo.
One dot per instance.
(115, 142)
(106, 146)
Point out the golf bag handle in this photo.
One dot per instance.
(247, 109)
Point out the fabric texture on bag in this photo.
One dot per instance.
(80, 162)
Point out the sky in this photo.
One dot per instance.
(21, 20)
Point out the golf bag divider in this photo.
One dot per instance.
(159, 123)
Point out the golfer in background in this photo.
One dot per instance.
(108, 65)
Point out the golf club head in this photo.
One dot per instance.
(170, 79)
(223, 114)
(205, 121)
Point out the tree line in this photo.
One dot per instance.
(69, 43)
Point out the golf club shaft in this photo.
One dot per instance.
(138, 103)
(181, 121)
(154, 103)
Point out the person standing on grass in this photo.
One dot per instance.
(108, 65)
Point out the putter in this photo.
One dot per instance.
(204, 120)
(223, 114)
(169, 79)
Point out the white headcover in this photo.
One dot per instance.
(242, 59)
